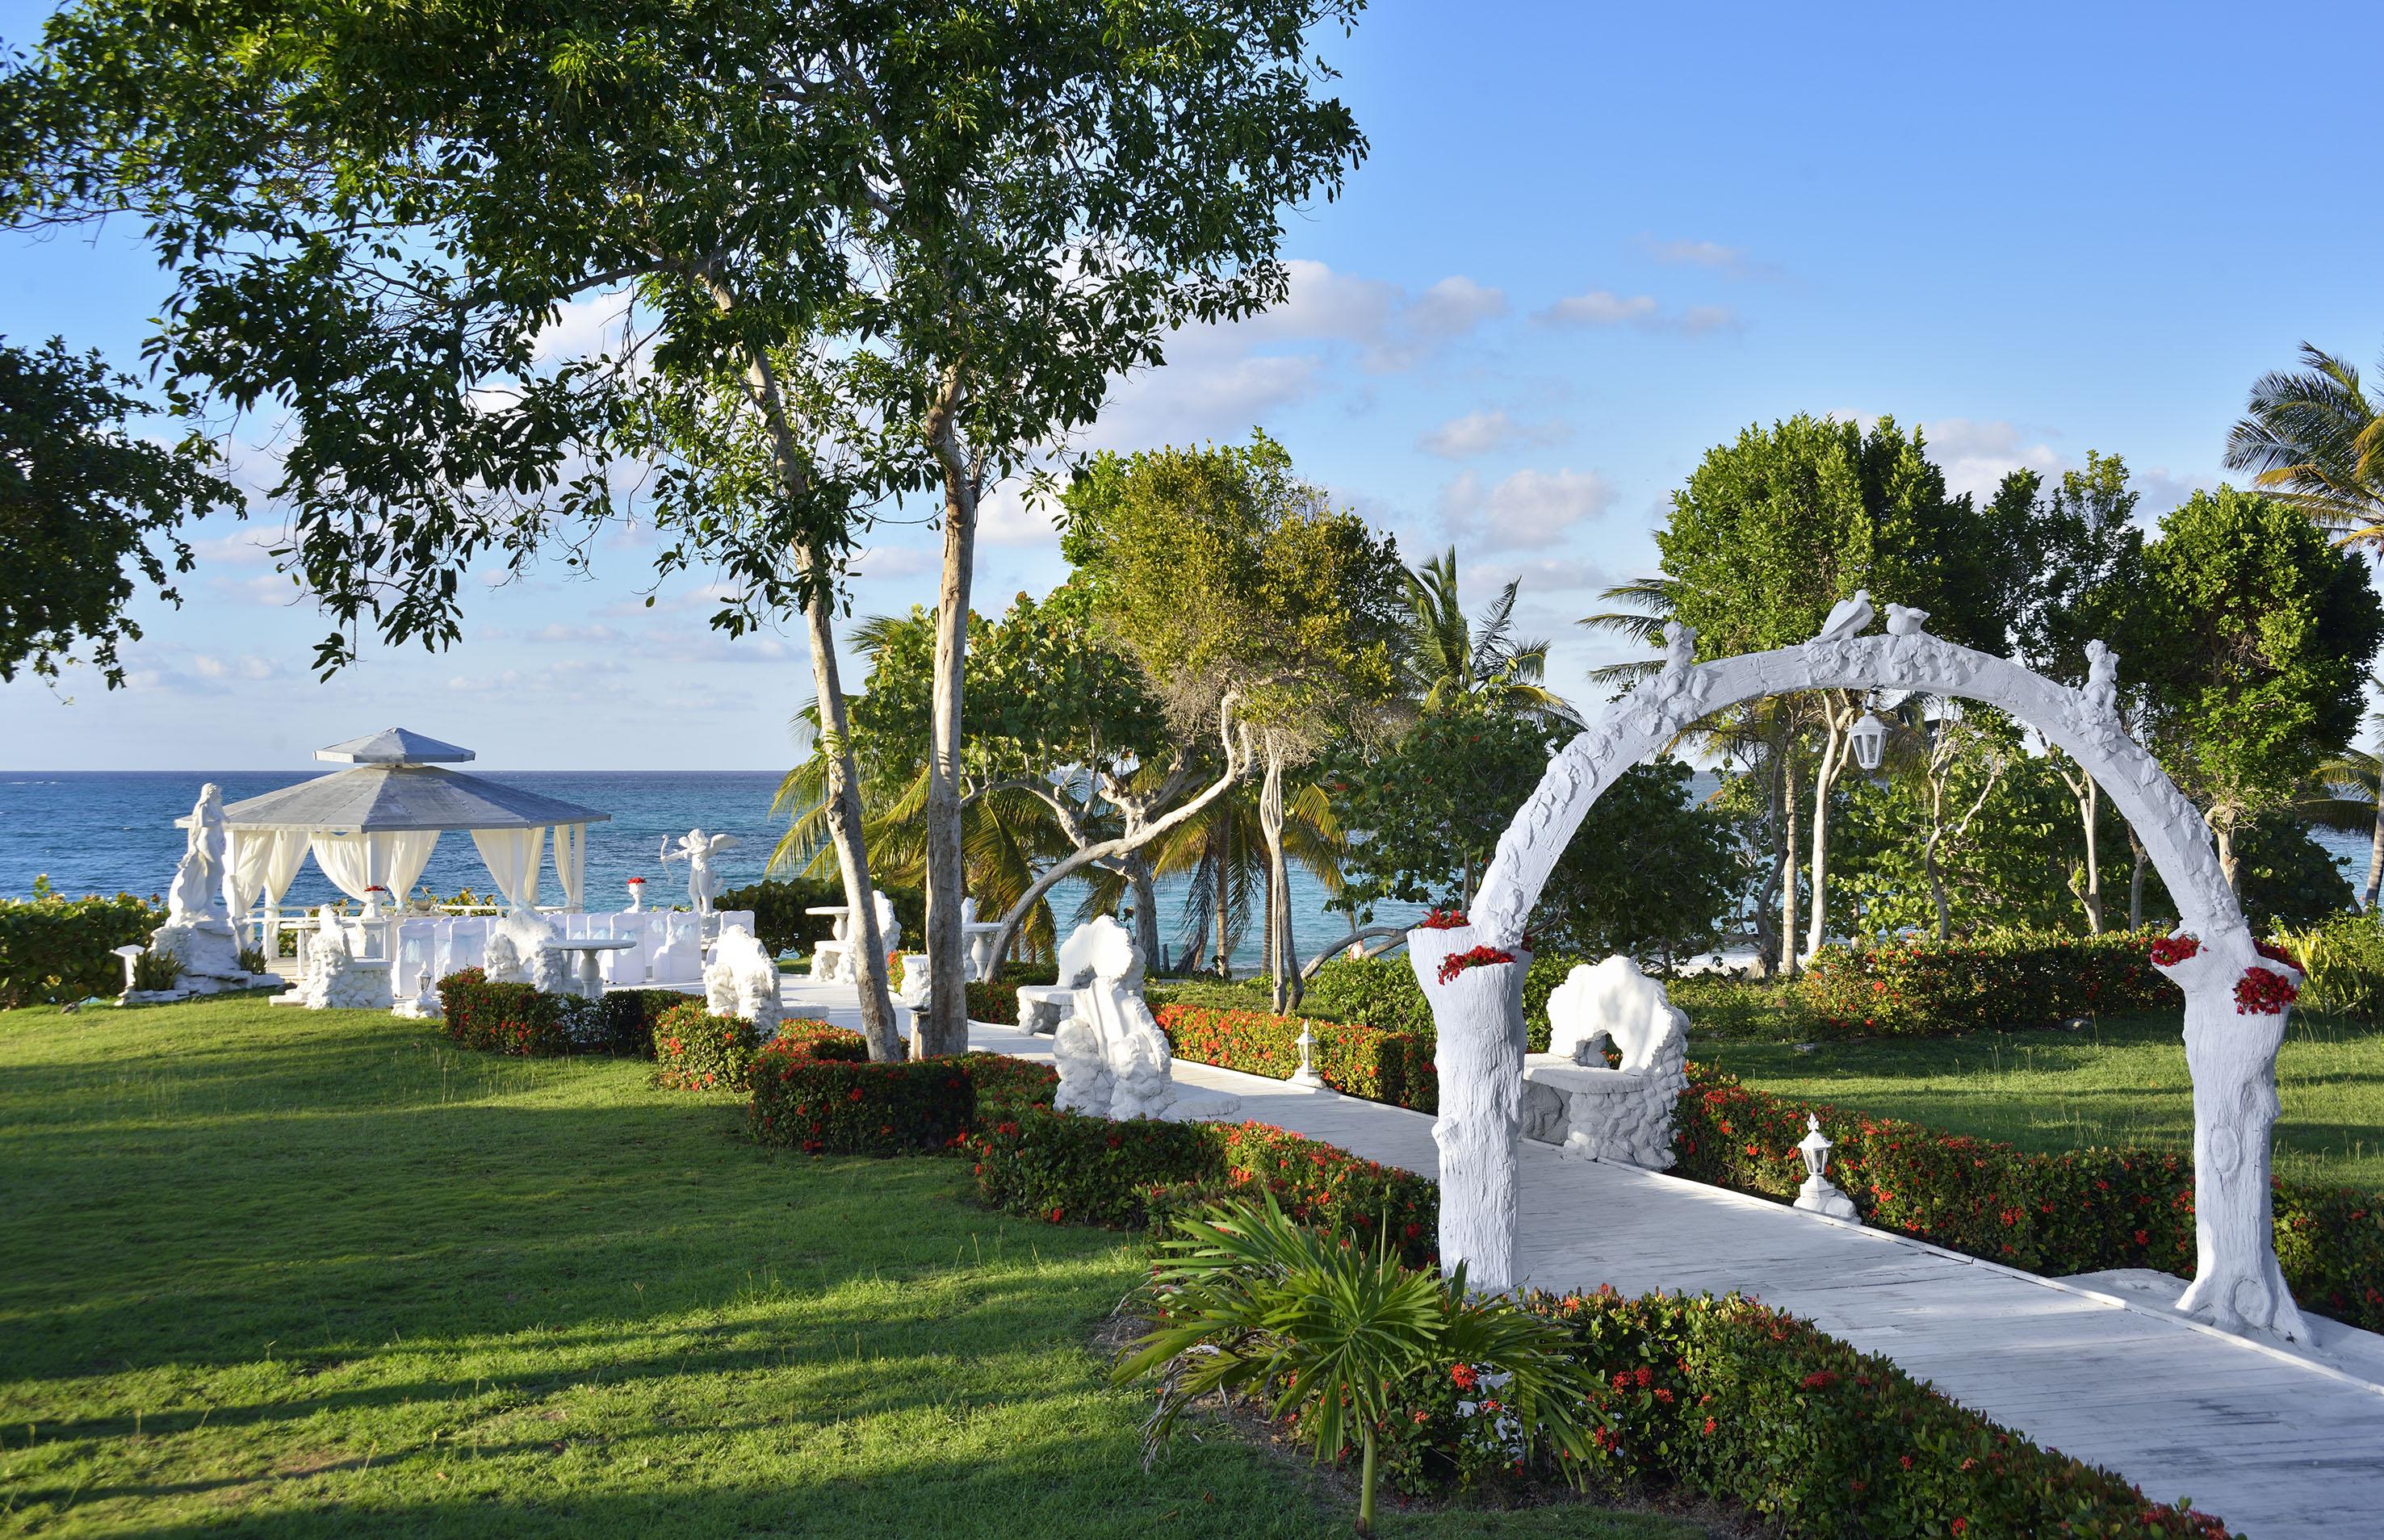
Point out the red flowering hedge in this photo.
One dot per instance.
(995, 1000)
(1737, 1403)
(695, 1051)
(2004, 979)
(1395, 1067)
(2083, 1212)
(501, 1018)
(814, 1090)
(1064, 1167)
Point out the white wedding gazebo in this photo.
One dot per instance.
(375, 824)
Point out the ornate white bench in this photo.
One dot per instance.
(1572, 1100)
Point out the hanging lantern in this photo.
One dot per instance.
(1869, 736)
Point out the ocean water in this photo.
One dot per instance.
(112, 831)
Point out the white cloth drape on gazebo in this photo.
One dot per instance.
(571, 864)
(393, 860)
(262, 862)
(511, 856)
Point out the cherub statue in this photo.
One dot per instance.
(1680, 651)
(2101, 679)
(697, 849)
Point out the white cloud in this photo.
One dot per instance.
(587, 326)
(1528, 508)
(1710, 254)
(564, 631)
(2161, 490)
(247, 546)
(248, 666)
(895, 561)
(275, 588)
(1604, 307)
(572, 679)
(1485, 432)
(1007, 517)
(1977, 455)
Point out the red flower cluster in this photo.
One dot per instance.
(2276, 953)
(2264, 992)
(2171, 950)
(1443, 919)
(1457, 963)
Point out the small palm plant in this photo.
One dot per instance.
(1247, 1301)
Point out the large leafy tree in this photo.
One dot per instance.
(85, 508)
(1773, 529)
(1245, 595)
(2260, 640)
(874, 249)
(2314, 437)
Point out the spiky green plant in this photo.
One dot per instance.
(1248, 1303)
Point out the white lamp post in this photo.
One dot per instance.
(1869, 736)
(1820, 1195)
(1306, 1076)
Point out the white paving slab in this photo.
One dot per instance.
(2279, 1445)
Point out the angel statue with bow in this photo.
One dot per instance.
(697, 849)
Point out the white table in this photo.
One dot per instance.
(591, 982)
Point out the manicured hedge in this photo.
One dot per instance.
(626, 1019)
(815, 1090)
(1064, 1167)
(54, 948)
(1737, 1403)
(995, 1000)
(2001, 980)
(695, 1051)
(2083, 1212)
(503, 1018)
(1395, 1067)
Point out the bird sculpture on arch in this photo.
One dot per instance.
(1478, 1010)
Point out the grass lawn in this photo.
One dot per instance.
(2123, 1081)
(301, 1274)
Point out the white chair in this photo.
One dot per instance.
(678, 952)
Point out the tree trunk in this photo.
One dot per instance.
(1766, 925)
(1145, 908)
(2224, 830)
(2088, 798)
(1788, 861)
(1833, 756)
(2136, 882)
(1278, 905)
(2375, 860)
(944, 1028)
(1224, 855)
(1928, 862)
(844, 830)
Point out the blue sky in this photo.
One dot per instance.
(1588, 243)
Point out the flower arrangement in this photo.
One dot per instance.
(1457, 963)
(2167, 951)
(2264, 992)
(2276, 953)
(1443, 919)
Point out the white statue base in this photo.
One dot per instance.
(1821, 1196)
(742, 980)
(1112, 1059)
(1571, 1099)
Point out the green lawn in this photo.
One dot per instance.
(301, 1274)
(2124, 1082)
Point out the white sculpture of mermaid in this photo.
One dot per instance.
(742, 980)
(198, 933)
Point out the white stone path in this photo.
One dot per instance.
(2280, 1445)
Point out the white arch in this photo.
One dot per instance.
(2232, 1056)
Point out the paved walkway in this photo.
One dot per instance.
(2280, 1447)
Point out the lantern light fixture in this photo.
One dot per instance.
(1869, 736)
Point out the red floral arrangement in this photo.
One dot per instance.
(2276, 953)
(2167, 951)
(1458, 961)
(1443, 919)
(2264, 992)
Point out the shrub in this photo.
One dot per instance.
(54, 948)
(695, 1051)
(155, 972)
(1382, 992)
(1394, 1067)
(1999, 979)
(2342, 961)
(625, 1019)
(1243, 994)
(994, 1001)
(503, 1018)
(2083, 1211)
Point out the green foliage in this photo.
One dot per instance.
(2316, 439)
(2260, 637)
(1453, 664)
(2081, 1211)
(1999, 979)
(1649, 873)
(1424, 811)
(54, 948)
(2342, 965)
(1393, 1067)
(994, 1001)
(1247, 1301)
(503, 1018)
(625, 1019)
(778, 904)
(815, 1091)
(81, 502)
(1736, 1403)
(156, 971)
(695, 1051)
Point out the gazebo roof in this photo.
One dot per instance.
(371, 798)
(394, 746)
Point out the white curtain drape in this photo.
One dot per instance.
(571, 864)
(511, 856)
(393, 860)
(262, 862)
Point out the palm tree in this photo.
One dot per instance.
(2315, 437)
(2342, 794)
(1647, 603)
(1451, 660)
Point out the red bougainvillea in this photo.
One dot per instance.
(1458, 961)
(2276, 953)
(2264, 992)
(1443, 919)
(2170, 950)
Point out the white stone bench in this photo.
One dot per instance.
(1572, 1100)
(1044, 1007)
